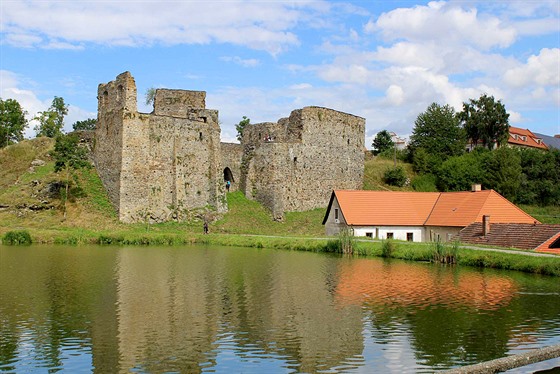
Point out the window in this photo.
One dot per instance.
(369, 234)
(389, 235)
(336, 214)
(409, 237)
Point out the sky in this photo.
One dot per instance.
(386, 61)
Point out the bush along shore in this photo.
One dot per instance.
(447, 254)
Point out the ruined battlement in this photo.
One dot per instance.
(178, 103)
(116, 95)
(158, 166)
(294, 164)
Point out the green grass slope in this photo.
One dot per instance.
(28, 202)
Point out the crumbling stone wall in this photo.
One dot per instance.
(232, 153)
(161, 165)
(157, 166)
(294, 165)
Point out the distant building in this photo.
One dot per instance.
(524, 138)
(400, 143)
(519, 137)
(550, 141)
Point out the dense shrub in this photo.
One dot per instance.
(21, 237)
(395, 176)
(388, 247)
(424, 183)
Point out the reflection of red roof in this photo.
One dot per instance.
(525, 138)
(421, 286)
(455, 209)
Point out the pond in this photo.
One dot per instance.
(213, 309)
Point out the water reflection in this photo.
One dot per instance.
(243, 310)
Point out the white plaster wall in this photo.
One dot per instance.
(399, 232)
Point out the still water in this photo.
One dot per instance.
(229, 310)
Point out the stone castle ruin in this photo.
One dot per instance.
(162, 165)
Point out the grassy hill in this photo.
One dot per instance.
(29, 199)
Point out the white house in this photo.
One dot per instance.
(416, 216)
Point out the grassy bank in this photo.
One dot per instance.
(26, 205)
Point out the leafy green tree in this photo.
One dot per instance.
(51, 121)
(88, 124)
(502, 171)
(241, 126)
(150, 95)
(68, 157)
(439, 132)
(486, 121)
(424, 162)
(459, 173)
(540, 181)
(12, 122)
(382, 142)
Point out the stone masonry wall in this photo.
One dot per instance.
(311, 153)
(232, 154)
(158, 166)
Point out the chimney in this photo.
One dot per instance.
(485, 225)
(476, 188)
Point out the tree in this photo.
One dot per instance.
(459, 173)
(12, 122)
(439, 132)
(382, 142)
(68, 157)
(150, 95)
(51, 121)
(241, 126)
(540, 181)
(88, 124)
(485, 121)
(502, 171)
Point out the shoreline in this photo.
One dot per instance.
(481, 257)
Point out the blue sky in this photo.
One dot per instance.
(383, 60)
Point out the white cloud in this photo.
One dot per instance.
(443, 23)
(64, 24)
(395, 95)
(541, 70)
(247, 63)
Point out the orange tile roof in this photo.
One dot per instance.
(395, 208)
(387, 208)
(464, 208)
(524, 137)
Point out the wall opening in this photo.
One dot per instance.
(120, 90)
(228, 175)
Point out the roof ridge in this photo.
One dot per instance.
(433, 207)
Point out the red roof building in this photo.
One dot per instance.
(417, 216)
(524, 138)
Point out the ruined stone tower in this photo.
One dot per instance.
(294, 164)
(157, 166)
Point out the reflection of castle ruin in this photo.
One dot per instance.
(157, 166)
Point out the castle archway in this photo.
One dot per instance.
(228, 175)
